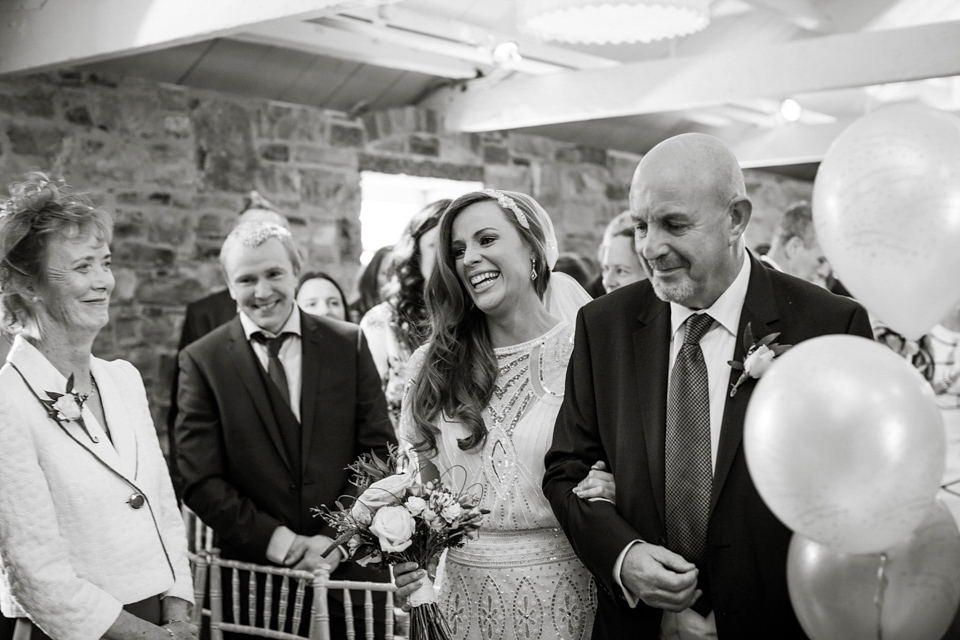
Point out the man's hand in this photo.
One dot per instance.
(659, 577)
(305, 553)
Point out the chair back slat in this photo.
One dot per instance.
(368, 614)
(216, 600)
(284, 595)
(235, 593)
(251, 595)
(267, 603)
(348, 614)
(298, 603)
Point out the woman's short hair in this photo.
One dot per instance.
(322, 275)
(37, 211)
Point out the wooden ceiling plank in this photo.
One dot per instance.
(778, 71)
(62, 33)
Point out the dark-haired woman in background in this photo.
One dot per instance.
(398, 326)
(91, 540)
(371, 283)
(320, 295)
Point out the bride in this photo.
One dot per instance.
(481, 404)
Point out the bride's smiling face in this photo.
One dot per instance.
(491, 259)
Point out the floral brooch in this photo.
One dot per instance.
(68, 407)
(759, 356)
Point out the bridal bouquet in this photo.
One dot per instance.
(397, 519)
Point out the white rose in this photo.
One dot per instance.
(759, 361)
(416, 505)
(429, 515)
(362, 513)
(382, 493)
(394, 526)
(451, 512)
(68, 407)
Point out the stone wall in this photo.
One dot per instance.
(173, 163)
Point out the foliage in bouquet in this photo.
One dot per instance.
(396, 518)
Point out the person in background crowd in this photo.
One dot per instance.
(398, 325)
(575, 267)
(618, 224)
(762, 249)
(689, 549)
(206, 314)
(371, 283)
(794, 248)
(91, 541)
(619, 261)
(274, 405)
(320, 295)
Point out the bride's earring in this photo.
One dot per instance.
(533, 268)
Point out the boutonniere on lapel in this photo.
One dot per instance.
(759, 355)
(68, 407)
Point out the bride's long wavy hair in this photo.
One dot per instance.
(460, 368)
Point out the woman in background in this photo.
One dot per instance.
(396, 327)
(91, 540)
(371, 283)
(320, 295)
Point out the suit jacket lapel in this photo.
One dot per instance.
(311, 335)
(651, 347)
(248, 368)
(760, 311)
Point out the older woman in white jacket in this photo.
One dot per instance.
(91, 541)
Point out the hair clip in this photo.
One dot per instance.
(506, 202)
(37, 200)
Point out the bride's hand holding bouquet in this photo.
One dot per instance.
(399, 521)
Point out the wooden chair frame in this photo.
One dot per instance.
(319, 615)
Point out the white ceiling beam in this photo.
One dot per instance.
(723, 77)
(787, 145)
(325, 40)
(803, 13)
(60, 33)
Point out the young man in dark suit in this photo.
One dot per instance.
(689, 549)
(273, 406)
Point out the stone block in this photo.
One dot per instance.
(331, 190)
(79, 115)
(583, 181)
(569, 155)
(226, 156)
(275, 152)
(593, 155)
(36, 102)
(420, 167)
(533, 146)
(140, 114)
(493, 154)
(136, 253)
(177, 126)
(278, 121)
(277, 182)
(460, 148)
(509, 177)
(342, 135)
(173, 289)
(128, 225)
(427, 121)
(172, 97)
(168, 227)
(422, 145)
(370, 126)
(35, 140)
(315, 154)
(395, 144)
(618, 192)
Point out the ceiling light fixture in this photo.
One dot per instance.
(612, 21)
(790, 110)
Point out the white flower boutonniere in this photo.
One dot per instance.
(68, 407)
(759, 356)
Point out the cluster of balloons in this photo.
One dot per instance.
(843, 437)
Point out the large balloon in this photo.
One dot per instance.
(845, 443)
(886, 208)
(840, 596)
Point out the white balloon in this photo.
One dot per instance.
(886, 208)
(845, 443)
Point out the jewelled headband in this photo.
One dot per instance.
(506, 202)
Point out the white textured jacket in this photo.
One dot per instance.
(76, 543)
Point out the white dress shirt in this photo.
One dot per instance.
(718, 346)
(291, 356)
